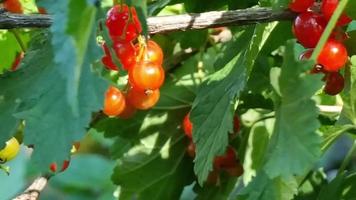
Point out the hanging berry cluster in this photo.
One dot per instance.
(308, 28)
(143, 61)
(228, 163)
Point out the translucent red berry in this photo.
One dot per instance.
(334, 83)
(228, 160)
(125, 51)
(123, 23)
(327, 9)
(187, 126)
(300, 5)
(13, 6)
(143, 100)
(107, 59)
(146, 76)
(308, 28)
(333, 56)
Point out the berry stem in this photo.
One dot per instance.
(18, 39)
(329, 28)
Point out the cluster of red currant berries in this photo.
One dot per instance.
(308, 28)
(228, 163)
(142, 60)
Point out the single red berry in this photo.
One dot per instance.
(308, 28)
(114, 102)
(123, 23)
(306, 54)
(236, 124)
(334, 83)
(151, 53)
(228, 160)
(187, 126)
(65, 164)
(143, 100)
(42, 10)
(128, 111)
(13, 6)
(191, 149)
(300, 5)
(16, 63)
(333, 56)
(107, 59)
(146, 76)
(125, 51)
(235, 171)
(213, 177)
(327, 9)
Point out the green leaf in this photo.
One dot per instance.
(180, 87)
(156, 167)
(348, 114)
(310, 188)
(263, 188)
(296, 119)
(333, 190)
(351, 9)
(213, 107)
(95, 177)
(256, 147)
(350, 187)
(9, 42)
(332, 133)
(72, 37)
(36, 93)
(218, 192)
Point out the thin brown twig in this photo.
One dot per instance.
(164, 24)
(34, 190)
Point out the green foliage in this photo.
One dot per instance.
(56, 95)
(9, 42)
(214, 106)
(156, 167)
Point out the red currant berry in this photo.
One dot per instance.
(107, 59)
(213, 177)
(143, 100)
(306, 54)
(236, 124)
(152, 52)
(308, 28)
(125, 51)
(226, 161)
(327, 9)
(114, 102)
(53, 166)
(300, 5)
(187, 126)
(235, 171)
(333, 56)
(128, 111)
(334, 83)
(13, 6)
(191, 149)
(146, 76)
(123, 23)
